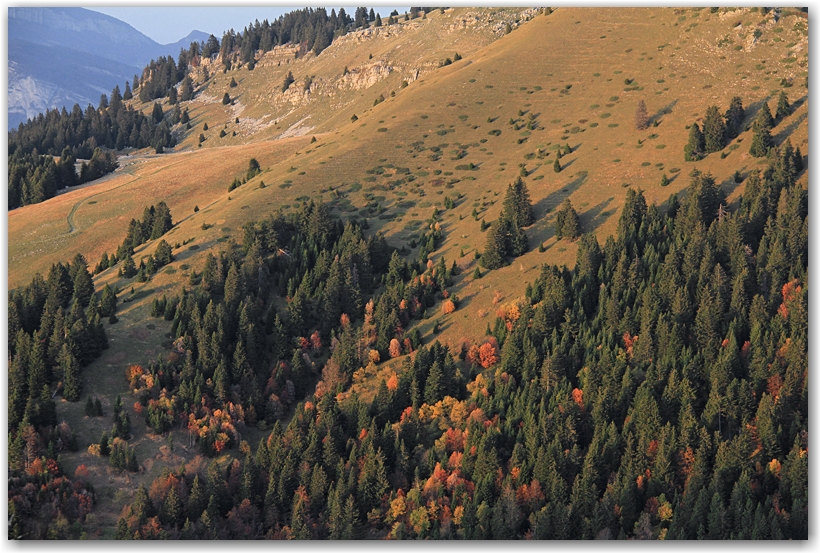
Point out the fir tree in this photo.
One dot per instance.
(567, 223)
(714, 130)
(72, 386)
(783, 107)
(497, 247)
(696, 145)
(734, 117)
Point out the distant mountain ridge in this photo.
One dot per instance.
(62, 56)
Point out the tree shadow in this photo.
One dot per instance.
(751, 111)
(593, 218)
(567, 164)
(542, 230)
(799, 102)
(665, 110)
(787, 131)
(554, 199)
(729, 185)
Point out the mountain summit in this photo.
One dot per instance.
(62, 56)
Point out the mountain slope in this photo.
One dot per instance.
(62, 56)
(458, 132)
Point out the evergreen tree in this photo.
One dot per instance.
(83, 287)
(714, 130)
(156, 113)
(171, 511)
(497, 247)
(783, 107)
(567, 223)
(186, 90)
(696, 145)
(71, 374)
(764, 117)
(734, 117)
(129, 268)
(761, 141)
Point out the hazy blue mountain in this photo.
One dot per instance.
(62, 56)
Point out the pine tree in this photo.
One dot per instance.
(556, 166)
(226, 99)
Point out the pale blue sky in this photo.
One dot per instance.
(169, 24)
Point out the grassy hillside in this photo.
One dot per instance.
(464, 131)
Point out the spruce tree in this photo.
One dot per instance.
(129, 268)
(497, 247)
(156, 113)
(72, 386)
(171, 510)
(764, 117)
(783, 107)
(714, 130)
(567, 224)
(696, 145)
(517, 204)
(734, 117)
(761, 140)
(83, 287)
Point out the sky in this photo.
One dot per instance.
(170, 24)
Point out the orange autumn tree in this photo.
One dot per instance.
(488, 353)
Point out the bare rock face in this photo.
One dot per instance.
(479, 27)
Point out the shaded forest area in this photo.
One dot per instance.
(629, 397)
